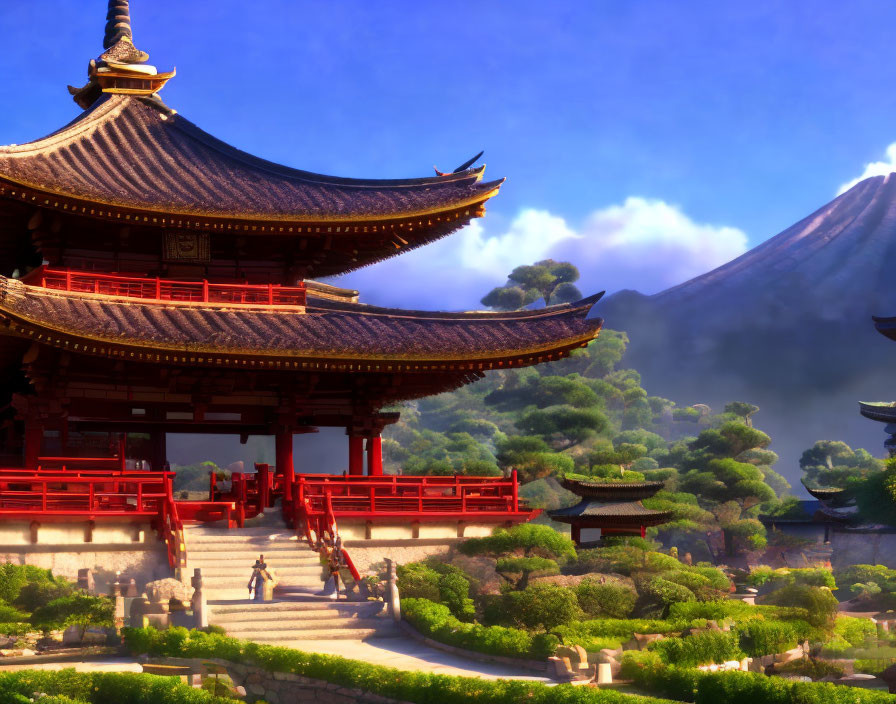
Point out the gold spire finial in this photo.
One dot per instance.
(121, 68)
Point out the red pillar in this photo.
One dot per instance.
(356, 455)
(159, 450)
(576, 534)
(375, 456)
(34, 435)
(122, 451)
(285, 467)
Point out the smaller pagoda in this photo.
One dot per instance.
(609, 508)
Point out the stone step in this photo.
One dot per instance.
(315, 604)
(239, 630)
(250, 533)
(295, 640)
(223, 547)
(285, 618)
(280, 570)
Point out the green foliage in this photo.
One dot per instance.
(401, 685)
(70, 687)
(75, 609)
(440, 583)
(605, 600)
(666, 592)
(831, 463)
(553, 281)
(855, 631)
(698, 649)
(523, 567)
(760, 637)
(739, 687)
(810, 667)
(529, 538)
(565, 424)
(820, 604)
(436, 622)
(541, 607)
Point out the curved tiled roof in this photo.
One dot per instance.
(612, 511)
(134, 153)
(610, 490)
(349, 332)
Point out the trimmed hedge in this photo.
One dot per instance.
(417, 687)
(699, 649)
(690, 685)
(436, 622)
(759, 638)
(70, 687)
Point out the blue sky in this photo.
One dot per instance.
(646, 140)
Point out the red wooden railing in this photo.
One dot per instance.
(158, 289)
(60, 494)
(409, 497)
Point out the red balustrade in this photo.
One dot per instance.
(418, 498)
(158, 289)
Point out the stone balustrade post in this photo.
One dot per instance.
(393, 599)
(200, 606)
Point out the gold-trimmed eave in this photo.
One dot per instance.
(33, 194)
(273, 361)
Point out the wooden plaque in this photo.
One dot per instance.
(186, 247)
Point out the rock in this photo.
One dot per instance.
(796, 653)
(9, 652)
(94, 636)
(163, 591)
(240, 690)
(72, 635)
(26, 652)
(644, 639)
(608, 654)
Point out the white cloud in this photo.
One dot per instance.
(875, 168)
(643, 244)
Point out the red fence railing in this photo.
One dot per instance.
(159, 289)
(59, 494)
(412, 497)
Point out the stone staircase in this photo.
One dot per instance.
(302, 609)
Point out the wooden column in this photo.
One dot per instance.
(285, 467)
(122, 451)
(159, 449)
(576, 534)
(356, 455)
(375, 456)
(34, 435)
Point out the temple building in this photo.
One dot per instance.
(155, 280)
(609, 509)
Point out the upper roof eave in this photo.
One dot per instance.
(126, 152)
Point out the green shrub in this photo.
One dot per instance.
(523, 567)
(767, 637)
(699, 649)
(855, 631)
(820, 604)
(609, 600)
(418, 581)
(810, 667)
(35, 594)
(437, 622)
(666, 592)
(741, 687)
(454, 592)
(541, 606)
(531, 538)
(68, 686)
(76, 609)
(873, 666)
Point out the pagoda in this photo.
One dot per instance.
(883, 412)
(609, 509)
(154, 280)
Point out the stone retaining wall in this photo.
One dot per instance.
(283, 687)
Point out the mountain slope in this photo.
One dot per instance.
(786, 325)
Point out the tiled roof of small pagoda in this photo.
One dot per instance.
(589, 509)
(885, 326)
(329, 332)
(131, 158)
(611, 490)
(883, 411)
